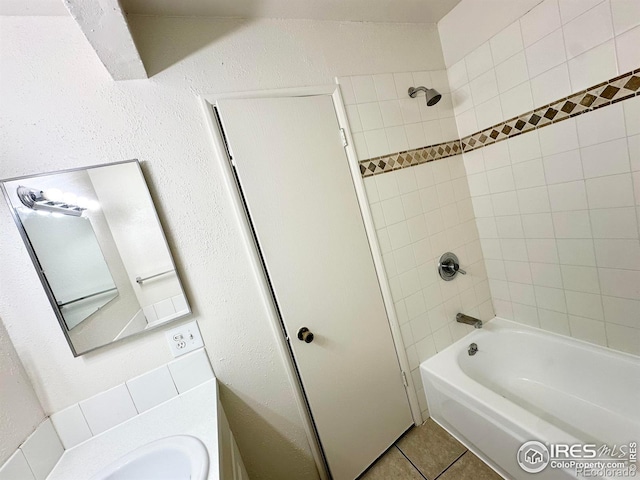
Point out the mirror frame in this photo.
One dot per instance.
(40, 271)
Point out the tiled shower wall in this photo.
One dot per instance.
(557, 207)
(384, 119)
(419, 212)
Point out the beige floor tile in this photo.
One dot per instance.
(392, 465)
(469, 467)
(430, 448)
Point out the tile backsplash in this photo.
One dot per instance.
(67, 428)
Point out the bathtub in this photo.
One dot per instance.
(526, 384)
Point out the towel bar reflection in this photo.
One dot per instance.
(85, 297)
(141, 280)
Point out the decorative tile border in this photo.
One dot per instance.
(409, 158)
(612, 91)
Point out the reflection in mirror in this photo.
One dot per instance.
(95, 239)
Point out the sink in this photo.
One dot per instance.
(171, 458)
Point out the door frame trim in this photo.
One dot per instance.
(207, 102)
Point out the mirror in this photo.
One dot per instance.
(97, 244)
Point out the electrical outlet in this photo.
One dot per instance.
(184, 339)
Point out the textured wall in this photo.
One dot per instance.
(61, 110)
(20, 411)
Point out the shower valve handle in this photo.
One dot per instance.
(452, 267)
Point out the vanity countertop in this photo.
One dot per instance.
(194, 412)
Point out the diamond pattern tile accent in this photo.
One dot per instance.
(606, 93)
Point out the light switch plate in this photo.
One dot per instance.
(184, 339)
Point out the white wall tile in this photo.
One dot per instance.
(517, 100)
(42, 450)
(546, 53)
(626, 15)
(71, 426)
(623, 338)
(511, 72)
(533, 200)
(559, 137)
(587, 329)
(580, 279)
(461, 99)
(415, 135)
(510, 227)
(529, 174)
(576, 252)
(600, 125)
(634, 151)
(546, 275)
(385, 86)
(538, 225)
(563, 167)
(526, 314)
(152, 388)
(632, 116)
(361, 146)
(614, 223)
(556, 322)
(627, 51)
(568, 196)
(479, 61)
(489, 113)
(621, 311)
(363, 88)
(484, 87)
(191, 370)
(457, 75)
(588, 30)
(588, 305)
(496, 155)
(467, 123)
(620, 283)
(542, 250)
(391, 114)
(551, 299)
(572, 224)
(432, 132)
(522, 293)
(609, 192)
(354, 118)
(500, 180)
(403, 81)
(377, 143)
(540, 21)
(370, 116)
(506, 43)
(346, 88)
(16, 468)
(570, 9)
(505, 203)
(518, 272)
(592, 66)
(616, 253)
(607, 158)
(551, 85)
(526, 147)
(397, 139)
(108, 409)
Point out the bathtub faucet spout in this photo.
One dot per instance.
(474, 322)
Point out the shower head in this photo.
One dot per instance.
(431, 94)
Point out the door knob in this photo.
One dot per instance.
(305, 335)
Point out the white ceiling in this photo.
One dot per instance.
(395, 11)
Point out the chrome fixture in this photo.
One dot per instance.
(141, 280)
(305, 335)
(474, 322)
(36, 200)
(473, 349)
(449, 266)
(431, 94)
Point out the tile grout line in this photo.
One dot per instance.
(452, 464)
(523, 123)
(409, 460)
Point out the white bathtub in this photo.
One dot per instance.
(526, 384)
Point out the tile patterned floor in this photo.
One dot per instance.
(429, 452)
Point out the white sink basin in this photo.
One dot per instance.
(180, 457)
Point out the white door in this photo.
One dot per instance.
(296, 182)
